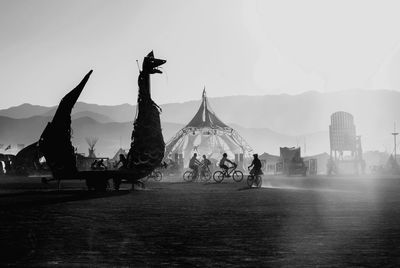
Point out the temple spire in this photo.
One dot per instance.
(205, 117)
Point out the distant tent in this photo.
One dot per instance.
(207, 134)
(91, 141)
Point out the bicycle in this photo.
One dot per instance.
(202, 175)
(254, 180)
(205, 174)
(155, 174)
(237, 175)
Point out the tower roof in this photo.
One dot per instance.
(205, 117)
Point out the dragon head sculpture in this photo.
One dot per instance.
(150, 64)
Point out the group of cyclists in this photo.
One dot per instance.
(197, 165)
(200, 168)
(225, 164)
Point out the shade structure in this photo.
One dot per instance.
(207, 135)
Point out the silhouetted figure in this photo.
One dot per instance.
(100, 164)
(123, 161)
(194, 165)
(256, 164)
(205, 163)
(223, 165)
(93, 165)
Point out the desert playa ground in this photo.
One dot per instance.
(296, 221)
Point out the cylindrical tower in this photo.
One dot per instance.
(342, 132)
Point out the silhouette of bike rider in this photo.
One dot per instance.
(256, 164)
(222, 163)
(194, 165)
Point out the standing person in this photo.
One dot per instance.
(194, 165)
(222, 163)
(256, 164)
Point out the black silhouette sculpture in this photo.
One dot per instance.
(55, 141)
(147, 146)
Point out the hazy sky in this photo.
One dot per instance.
(231, 47)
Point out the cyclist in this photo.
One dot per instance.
(256, 164)
(222, 164)
(194, 165)
(204, 165)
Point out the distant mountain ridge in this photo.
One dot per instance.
(291, 117)
(102, 113)
(288, 114)
(24, 111)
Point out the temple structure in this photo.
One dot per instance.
(207, 135)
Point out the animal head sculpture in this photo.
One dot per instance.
(150, 64)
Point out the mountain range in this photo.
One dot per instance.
(266, 122)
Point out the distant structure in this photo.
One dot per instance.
(346, 150)
(392, 166)
(91, 141)
(394, 133)
(207, 135)
(291, 161)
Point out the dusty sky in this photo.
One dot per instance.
(231, 47)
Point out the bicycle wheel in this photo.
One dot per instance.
(188, 176)
(258, 181)
(207, 175)
(157, 176)
(237, 176)
(250, 180)
(218, 176)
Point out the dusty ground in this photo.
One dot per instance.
(304, 222)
